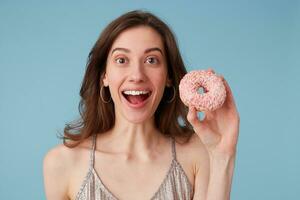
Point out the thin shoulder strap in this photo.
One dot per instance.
(173, 149)
(92, 154)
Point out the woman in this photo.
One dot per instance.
(135, 138)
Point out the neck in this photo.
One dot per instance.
(133, 140)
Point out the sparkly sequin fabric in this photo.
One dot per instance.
(175, 185)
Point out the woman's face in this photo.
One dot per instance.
(136, 73)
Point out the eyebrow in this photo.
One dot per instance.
(128, 51)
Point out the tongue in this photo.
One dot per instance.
(136, 99)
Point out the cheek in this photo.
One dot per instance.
(114, 81)
(159, 79)
(161, 76)
(113, 76)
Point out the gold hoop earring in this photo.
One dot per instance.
(172, 99)
(101, 96)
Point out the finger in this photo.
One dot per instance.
(208, 115)
(229, 94)
(200, 127)
(192, 117)
(210, 69)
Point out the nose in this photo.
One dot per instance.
(137, 73)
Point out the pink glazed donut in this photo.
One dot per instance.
(214, 90)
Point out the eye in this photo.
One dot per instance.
(152, 60)
(120, 60)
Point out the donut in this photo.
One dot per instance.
(214, 90)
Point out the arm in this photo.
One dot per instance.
(221, 173)
(55, 174)
(219, 132)
(213, 176)
(201, 173)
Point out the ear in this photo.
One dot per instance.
(104, 79)
(169, 82)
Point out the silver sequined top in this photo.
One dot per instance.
(175, 186)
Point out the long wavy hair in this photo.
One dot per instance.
(98, 117)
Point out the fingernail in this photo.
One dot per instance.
(211, 70)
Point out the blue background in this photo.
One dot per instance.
(254, 44)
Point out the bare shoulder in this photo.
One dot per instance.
(195, 151)
(58, 158)
(57, 169)
(195, 159)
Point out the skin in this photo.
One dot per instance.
(219, 133)
(134, 130)
(133, 149)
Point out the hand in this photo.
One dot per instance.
(220, 128)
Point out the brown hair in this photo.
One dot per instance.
(99, 117)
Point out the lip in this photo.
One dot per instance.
(139, 105)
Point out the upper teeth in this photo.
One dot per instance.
(134, 92)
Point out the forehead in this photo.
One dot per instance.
(138, 39)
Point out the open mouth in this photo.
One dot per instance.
(136, 97)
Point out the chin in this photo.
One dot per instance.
(136, 118)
